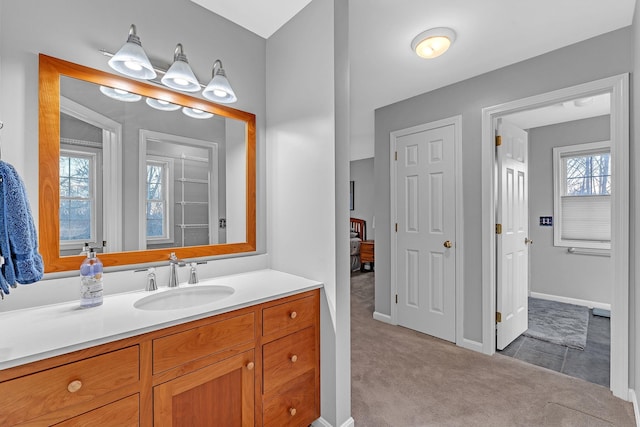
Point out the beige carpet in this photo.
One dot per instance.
(402, 378)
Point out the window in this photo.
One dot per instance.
(582, 195)
(158, 200)
(77, 197)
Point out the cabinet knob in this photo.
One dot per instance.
(292, 411)
(293, 315)
(294, 358)
(250, 366)
(74, 386)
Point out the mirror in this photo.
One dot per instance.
(147, 177)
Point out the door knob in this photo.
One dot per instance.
(528, 241)
(448, 244)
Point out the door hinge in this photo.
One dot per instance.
(498, 317)
(498, 140)
(396, 298)
(396, 156)
(498, 228)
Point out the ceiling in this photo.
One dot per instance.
(490, 34)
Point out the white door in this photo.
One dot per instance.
(512, 241)
(425, 238)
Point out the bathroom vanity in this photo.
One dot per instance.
(249, 359)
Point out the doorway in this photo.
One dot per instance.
(568, 196)
(617, 87)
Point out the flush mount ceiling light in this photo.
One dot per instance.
(131, 60)
(120, 95)
(433, 43)
(180, 76)
(219, 89)
(196, 113)
(160, 104)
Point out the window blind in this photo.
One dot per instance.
(586, 218)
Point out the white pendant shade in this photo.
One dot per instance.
(196, 114)
(159, 104)
(180, 76)
(120, 95)
(219, 89)
(131, 60)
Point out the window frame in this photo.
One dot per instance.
(559, 191)
(168, 167)
(92, 156)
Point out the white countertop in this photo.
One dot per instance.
(38, 333)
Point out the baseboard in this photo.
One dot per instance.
(321, 422)
(382, 317)
(471, 345)
(634, 399)
(575, 301)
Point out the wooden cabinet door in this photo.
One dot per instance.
(221, 395)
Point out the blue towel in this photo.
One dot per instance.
(18, 238)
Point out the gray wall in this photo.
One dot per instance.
(603, 56)
(364, 193)
(552, 270)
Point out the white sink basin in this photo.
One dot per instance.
(186, 297)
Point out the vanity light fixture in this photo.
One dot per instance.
(180, 76)
(120, 95)
(433, 43)
(219, 89)
(131, 60)
(196, 113)
(163, 105)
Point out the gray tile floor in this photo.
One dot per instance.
(590, 364)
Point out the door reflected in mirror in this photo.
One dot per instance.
(147, 170)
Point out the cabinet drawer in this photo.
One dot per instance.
(290, 316)
(178, 349)
(294, 406)
(288, 357)
(123, 413)
(79, 382)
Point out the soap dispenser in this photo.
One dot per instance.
(91, 280)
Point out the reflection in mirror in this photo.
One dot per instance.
(145, 169)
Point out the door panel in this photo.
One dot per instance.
(513, 252)
(425, 211)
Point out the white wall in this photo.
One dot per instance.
(74, 30)
(555, 70)
(553, 271)
(634, 274)
(361, 172)
(308, 188)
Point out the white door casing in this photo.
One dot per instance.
(425, 238)
(618, 87)
(512, 242)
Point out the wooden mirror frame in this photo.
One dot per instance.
(51, 69)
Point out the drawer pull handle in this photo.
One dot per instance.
(74, 386)
(293, 315)
(292, 411)
(250, 366)
(294, 358)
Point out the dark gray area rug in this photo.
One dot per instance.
(558, 323)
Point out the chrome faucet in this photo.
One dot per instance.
(174, 263)
(152, 284)
(193, 274)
